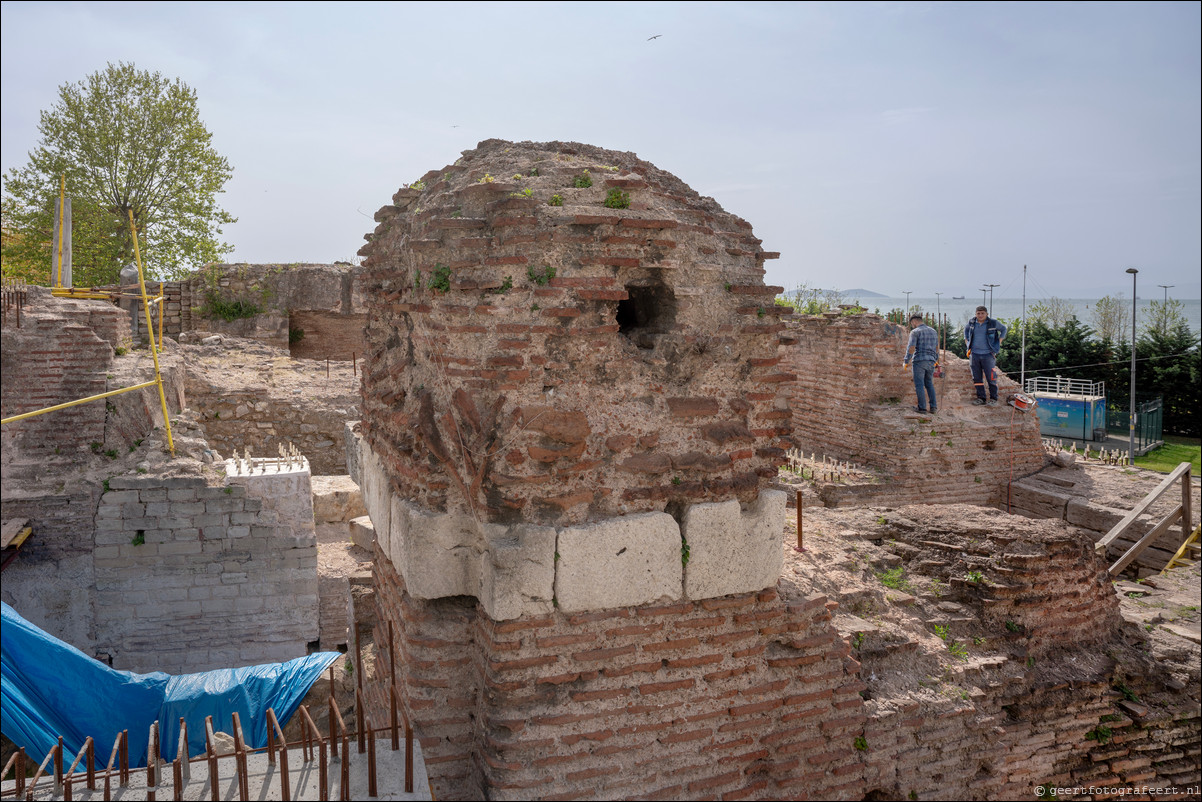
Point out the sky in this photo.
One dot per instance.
(924, 147)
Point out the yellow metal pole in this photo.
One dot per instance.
(154, 351)
(162, 303)
(76, 402)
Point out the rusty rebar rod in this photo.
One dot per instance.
(240, 759)
(323, 789)
(371, 761)
(274, 731)
(211, 755)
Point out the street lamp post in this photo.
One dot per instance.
(907, 294)
(1131, 416)
(991, 286)
(1164, 312)
(984, 292)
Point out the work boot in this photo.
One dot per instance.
(992, 402)
(978, 402)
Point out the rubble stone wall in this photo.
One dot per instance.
(853, 401)
(191, 577)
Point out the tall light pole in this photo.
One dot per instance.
(991, 286)
(984, 292)
(907, 293)
(1131, 416)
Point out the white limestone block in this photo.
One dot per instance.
(377, 496)
(733, 550)
(335, 499)
(631, 560)
(517, 570)
(362, 533)
(438, 554)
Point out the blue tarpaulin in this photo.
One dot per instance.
(49, 688)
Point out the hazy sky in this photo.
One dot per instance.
(890, 146)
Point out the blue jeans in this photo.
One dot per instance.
(984, 368)
(924, 373)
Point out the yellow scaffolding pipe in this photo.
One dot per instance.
(77, 402)
(154, 351)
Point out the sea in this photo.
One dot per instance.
(959, 310)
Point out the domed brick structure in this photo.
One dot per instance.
(562, 338)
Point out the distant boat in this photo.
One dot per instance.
(957, 297)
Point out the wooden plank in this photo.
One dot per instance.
(1145, 541)
(1141, 507)
(10, 529)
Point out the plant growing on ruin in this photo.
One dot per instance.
(440, 279)
(105, 485)
(120, 351)
(419, 185)
(111, 453)
(857, 640)
(617, 199)
(957, 650)
(517, 176)
(1013, 627)
(942, 632)
(556, 200)
(760, 313)
(1101, 734)
(974, 577)
(540, 276)
(295, 335)
(675, 480)
(894, 578)
(457, 213)
(583, 181)
(684, 551)
(139, 538)
(506, 285)
(487, 179)
(417, 279)
(535, 308)
(1127, 693)
(860, 743)
(882, 520)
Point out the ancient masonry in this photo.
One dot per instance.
(572, 406)
(851, 401)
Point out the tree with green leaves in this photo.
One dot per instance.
(125, 140)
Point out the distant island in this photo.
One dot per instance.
(860, 293)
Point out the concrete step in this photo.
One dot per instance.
(263, 779)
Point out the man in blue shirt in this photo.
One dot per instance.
(923, 351)
(983, 339)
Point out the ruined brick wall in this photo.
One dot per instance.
(742, 696)
(191, 577)
(326, 335)
(61, 353)
(559, 363)
(751, 697)
(853, 401)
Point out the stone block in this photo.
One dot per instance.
(516, 571)
(376, 495)
(731, 549)
(354, 451)
(1091, 515)
(434, 552)
(335, 499)
(626, 561)
(362, 533)
(1040, 499)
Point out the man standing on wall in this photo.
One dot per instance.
(923, 351)
(983, 339)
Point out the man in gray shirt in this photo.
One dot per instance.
(923, 351)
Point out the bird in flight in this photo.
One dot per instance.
(658, 35)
